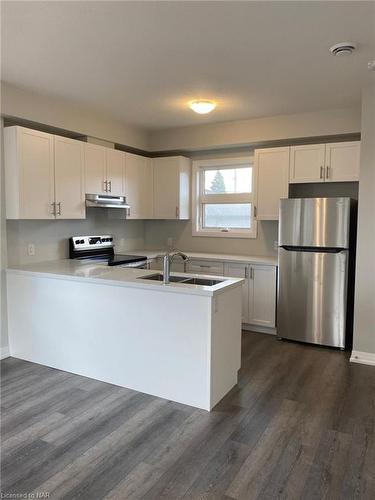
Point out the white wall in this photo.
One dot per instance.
(68, 115)
(364, 309)
(243, 132)
(3, 259)
(51, 237)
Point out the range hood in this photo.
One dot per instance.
(106, 201)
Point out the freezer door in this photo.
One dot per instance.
(315, 222)
(312, 297)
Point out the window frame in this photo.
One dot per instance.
(199, 197)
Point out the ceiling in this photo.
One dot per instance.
(141, 62)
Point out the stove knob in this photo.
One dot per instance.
(110, 239)
(77, 242)
(82, 242)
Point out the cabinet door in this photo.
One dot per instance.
(272, 181)
(262, 295)
(115, 172)
(307, 163)
(69, 179)
(240, 271)
(36, 172)
(342, 161)
(95, 169)
(139, 186)
(215, 268)
(166, 188)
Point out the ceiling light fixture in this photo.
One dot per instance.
(371, 65)
(202, 107)
(343, 49)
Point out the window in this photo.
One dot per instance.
(223, 198)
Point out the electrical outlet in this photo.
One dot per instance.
(30, 249)
(171, 242)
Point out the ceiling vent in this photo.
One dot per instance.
(343, 49)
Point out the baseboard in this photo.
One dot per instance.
(4, 352)
(259, 329)
(366, 358)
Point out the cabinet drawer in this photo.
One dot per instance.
(206, 267)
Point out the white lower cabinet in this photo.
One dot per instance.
(258, 293)
(262, 296)
(241, 271)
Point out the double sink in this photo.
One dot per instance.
(183, 280)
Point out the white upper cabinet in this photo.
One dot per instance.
(95, 169)
(171, 187)
(262, 296)
(44, 175)
(115, 162)
(139, 186)
(307, 163)
(104, 170)
(69, 179)
(272, 171)
(342, 161)
(332, 162)
(29, 174)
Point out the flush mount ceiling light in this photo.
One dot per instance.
(343, 49)
(202, 107)
(371, 65)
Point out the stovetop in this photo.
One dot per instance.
(100, 248)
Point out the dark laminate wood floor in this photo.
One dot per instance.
(300, 425)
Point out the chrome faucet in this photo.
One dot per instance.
(167, 261)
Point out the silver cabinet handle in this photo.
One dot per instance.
(177, 212)
(109, 183)
(255, 212)
(327, 172)
(206, 267)
(53, 209)
(251, 273)
(322, 172)
(59, 205)
(105, 186)
(246, 273)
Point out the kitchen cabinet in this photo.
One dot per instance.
(139, 186)
(205, 267)
(104, 170)
(43, 175)
(171, 187)
(272, 173)
(262, 296)
(69, 179)
(332, 162)
(235, 270)
(29, 174)
(307, 163)
(342, 161)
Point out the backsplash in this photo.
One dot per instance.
(51, 237)
(158, 232)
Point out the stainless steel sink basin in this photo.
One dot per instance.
(159, 277)
(182, 279)
(202, 281)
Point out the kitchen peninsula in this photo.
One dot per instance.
(177, 341)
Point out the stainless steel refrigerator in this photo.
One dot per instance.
(316, 270)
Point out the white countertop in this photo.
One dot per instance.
(246, 259)
(90, 272)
